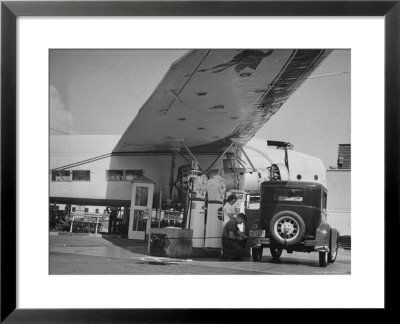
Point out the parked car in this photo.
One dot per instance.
(292, 217)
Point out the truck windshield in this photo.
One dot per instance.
(253, 202)
(288, 194)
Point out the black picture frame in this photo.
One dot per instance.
(11, 10)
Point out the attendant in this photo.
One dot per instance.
(233, 241)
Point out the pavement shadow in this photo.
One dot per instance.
(287, 261)
(140, 247)
(135, 246)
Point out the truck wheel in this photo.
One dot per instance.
(256, 253)
(323, 259)
(275, 252)
(332, 255)
(287, 228)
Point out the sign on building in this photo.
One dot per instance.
(80, 210)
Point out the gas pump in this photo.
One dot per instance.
(216, 192)
(196, 216)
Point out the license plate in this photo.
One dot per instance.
(257, 233)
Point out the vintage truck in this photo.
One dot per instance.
(292, 217)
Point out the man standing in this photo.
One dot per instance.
(233, 241)
(112, 223)
(340, 161)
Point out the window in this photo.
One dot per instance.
(141, 197)
(115, 175)
(123, 175)
(61, 175)
(80, 175)
(324, 200)
(73, 209)
(132, 174)
(138, 220)
(86, 210)
(253, 202)
(288, 194)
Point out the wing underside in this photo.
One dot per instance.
(209, 97)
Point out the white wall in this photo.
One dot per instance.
(339, 200)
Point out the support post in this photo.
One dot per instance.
(171, 177)
(97, 224)
(194, 158)
(286, 156)
(72, 223)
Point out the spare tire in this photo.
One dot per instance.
(287, 228)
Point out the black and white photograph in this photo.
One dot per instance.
(200, 161)
(161, 159)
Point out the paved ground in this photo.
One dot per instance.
(92, 255)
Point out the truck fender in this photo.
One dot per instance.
(322, 237)
(333, 240)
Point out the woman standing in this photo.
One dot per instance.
(229, 210)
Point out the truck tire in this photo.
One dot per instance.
(287, 228)
(256, 253)
(275, 252)
(323, 259)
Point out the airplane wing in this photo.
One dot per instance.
(210, 96)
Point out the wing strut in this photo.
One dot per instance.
(240, 161)
(219, 157)
(247, 158)
(206, 171)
